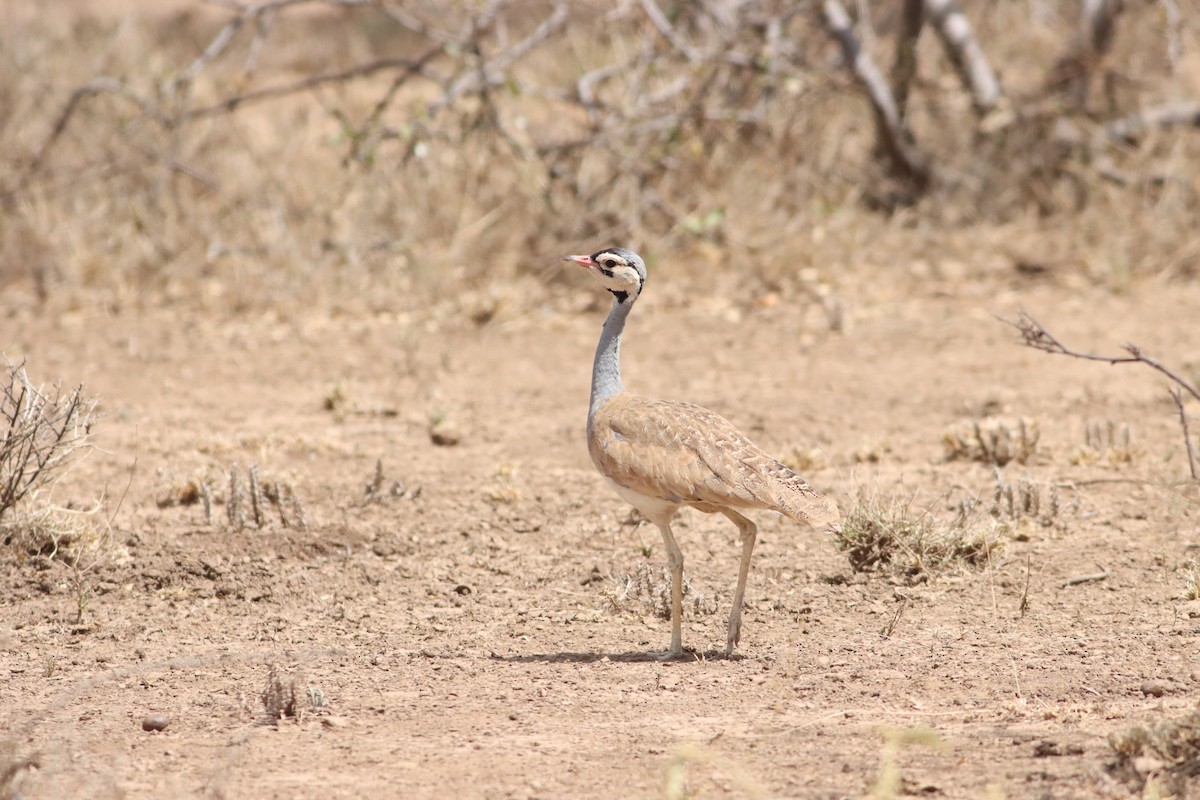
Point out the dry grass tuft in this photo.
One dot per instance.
(82, 540)
(1107, 442)
(283, 697)
(889, 535)
(994, 441)
(505, 488)
(647, 590)
(1020, 504)
(42, 431)
(1165, 756)
(1191, 582)
(249, 501)
(13, 766)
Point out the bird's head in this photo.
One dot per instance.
(620, 271)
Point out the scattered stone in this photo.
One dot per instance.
(445, 434)
(1154, 688)
(156, 722)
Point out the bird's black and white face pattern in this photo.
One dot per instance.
(620, 271)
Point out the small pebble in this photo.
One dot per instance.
(156, 722)
(445, 434)
(1153, 688)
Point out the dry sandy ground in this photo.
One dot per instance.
(480, 637)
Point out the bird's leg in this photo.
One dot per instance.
(675, 562)
(749, 532)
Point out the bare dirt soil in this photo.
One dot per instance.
(481, 630)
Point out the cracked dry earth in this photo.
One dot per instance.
(476, 626)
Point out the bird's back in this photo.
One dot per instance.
(684, 453)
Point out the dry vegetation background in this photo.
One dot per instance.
(321, 522)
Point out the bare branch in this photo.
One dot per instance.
(894, 136)
(968, 57)
(904, 68)
(1132, 127)
(1072, 73)
(663, 25)
(406, 67)
(94, 87)
(1037, 337)
(1187, 436)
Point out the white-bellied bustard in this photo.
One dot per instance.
(661, 455)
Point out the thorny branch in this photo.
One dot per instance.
(1037, 337)
(691, 73)
(41, 432)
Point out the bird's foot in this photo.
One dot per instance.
(735, 635)
(672, 654)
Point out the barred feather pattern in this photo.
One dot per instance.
(683, 453)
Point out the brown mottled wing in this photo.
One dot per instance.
(687, 454)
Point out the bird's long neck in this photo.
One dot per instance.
(606, 368)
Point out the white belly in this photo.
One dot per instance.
(655, 509)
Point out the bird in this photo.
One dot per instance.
(663, 455)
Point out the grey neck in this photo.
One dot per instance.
(606, 368)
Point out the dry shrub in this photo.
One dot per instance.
(363, 194)
(1016, 505)
(81, 540)
(888, 535)
(284, 698)
(42, 431)
(1191, 582)
(994, 441)
(647, 590)
(1165, 756)
(1107, 442)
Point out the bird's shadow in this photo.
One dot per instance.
(688, 656)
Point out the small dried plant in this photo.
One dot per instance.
(1167, 754)
(994, 441)
(505, 488)
(648, 590)
(82, 540)
(42, 431)
(1022, 502)
(282, 697)
(889, 535)
(1107, 441)
(1191, 582)
(249, 500)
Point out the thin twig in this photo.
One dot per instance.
(1187, 436)
(1089, 578)
(1037, 337)
(408, 67)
